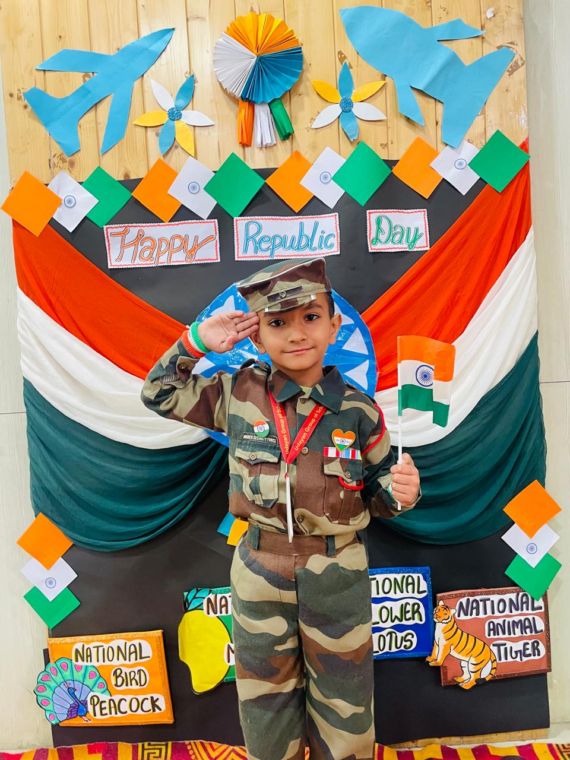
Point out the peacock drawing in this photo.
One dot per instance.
(64, 687)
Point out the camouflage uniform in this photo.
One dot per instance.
(301, 610)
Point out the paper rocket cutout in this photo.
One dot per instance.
(347, 103)
(114, 75)
(176, 121)
(415, 59)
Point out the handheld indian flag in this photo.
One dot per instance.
(425, 372)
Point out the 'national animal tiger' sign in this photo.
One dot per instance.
(490, 633)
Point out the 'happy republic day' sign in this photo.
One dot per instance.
(510, 621)
(286, 237)
(153, 245)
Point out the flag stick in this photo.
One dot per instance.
(399, 429)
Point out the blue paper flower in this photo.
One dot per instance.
(347, 103)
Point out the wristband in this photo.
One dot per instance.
(199, 343)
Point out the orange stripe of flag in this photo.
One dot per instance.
(434, 352)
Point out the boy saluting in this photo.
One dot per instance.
(310, 462)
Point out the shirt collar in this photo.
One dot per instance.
(329, 391)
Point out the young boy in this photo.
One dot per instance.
(310, 461)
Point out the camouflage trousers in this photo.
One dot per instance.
(303, 646)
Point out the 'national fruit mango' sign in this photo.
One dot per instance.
(205, 637)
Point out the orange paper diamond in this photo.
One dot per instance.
(31, 203)
(286, 181)
(44, 541)
(532, 508)
(152, 191)
(414, 168)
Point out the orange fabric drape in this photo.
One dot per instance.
(83, 299)
(440, 294)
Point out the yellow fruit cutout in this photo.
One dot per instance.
(202, 642)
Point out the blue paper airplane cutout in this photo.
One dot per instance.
(414, 57)
(115, 75)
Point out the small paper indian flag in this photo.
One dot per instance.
(425, 372)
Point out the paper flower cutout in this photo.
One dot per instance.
(347, 103)
(175, 120)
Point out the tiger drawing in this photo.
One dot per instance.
(477, 658)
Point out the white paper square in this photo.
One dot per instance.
(453, 165)
(531, 549)
(76, 202)
(319, 178)
(188, 188)
(50, 582)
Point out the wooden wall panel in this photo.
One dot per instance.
(105, 26)
(112, 25)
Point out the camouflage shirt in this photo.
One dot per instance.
(330, 494)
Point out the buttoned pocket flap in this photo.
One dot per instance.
(255, 452)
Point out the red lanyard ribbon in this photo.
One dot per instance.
(291, 452)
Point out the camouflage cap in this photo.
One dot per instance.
(285, 285)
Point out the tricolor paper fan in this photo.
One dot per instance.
(257, 59)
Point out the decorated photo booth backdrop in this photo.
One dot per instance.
(132, 681)
(505, 624)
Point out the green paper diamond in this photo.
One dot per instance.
(534, 580)
(111, 196)
(362, 173)
(234, 185)
(499, 161)
(55, 611)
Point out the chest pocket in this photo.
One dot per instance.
(343, 486)
(259, 468)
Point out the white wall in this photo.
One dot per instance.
(22, 635)
(547, 27)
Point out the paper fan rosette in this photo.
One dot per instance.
(257, 60)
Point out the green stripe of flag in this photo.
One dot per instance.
(416, 397)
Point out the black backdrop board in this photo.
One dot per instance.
(141, 588)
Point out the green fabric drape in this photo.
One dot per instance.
(470, 475)
(107, 495)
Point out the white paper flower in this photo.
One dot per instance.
(175, 120)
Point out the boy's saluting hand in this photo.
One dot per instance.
(221, 332)
(405, 481)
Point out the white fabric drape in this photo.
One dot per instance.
(90, 389)
(488, 349)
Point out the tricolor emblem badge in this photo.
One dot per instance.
(261, 428)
